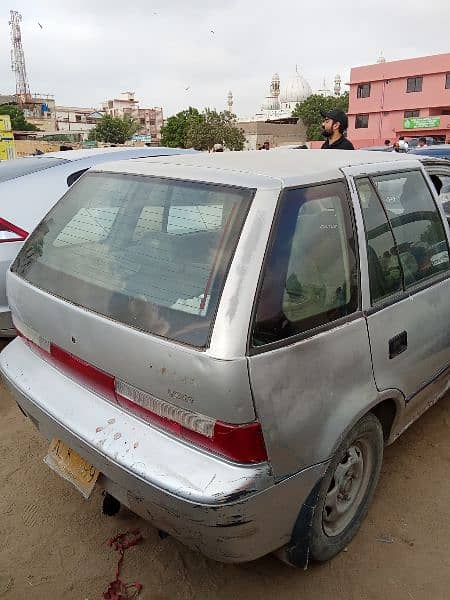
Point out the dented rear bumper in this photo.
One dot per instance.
(229, 512)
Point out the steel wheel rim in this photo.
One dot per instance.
(348, 487)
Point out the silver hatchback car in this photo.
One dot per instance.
(226, 342)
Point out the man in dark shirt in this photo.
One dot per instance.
(335, 122)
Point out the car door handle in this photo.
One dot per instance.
(398, 344)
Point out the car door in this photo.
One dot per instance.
(408, 270)
(439, 173)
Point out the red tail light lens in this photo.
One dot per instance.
(11, 233)
(90, 376)
(240, 443)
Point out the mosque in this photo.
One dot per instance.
(273, 121)
(280, 102)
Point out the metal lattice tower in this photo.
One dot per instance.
(18, 59)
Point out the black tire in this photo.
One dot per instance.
(330, 532)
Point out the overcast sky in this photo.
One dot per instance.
(88, 51)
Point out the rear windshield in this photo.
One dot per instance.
(10, 169)
(151, 253)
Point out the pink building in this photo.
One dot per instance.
(408, 98)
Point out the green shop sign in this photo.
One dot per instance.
(421, 122)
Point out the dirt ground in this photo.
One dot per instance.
(53, 542)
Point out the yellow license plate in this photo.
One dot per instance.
(72, 467)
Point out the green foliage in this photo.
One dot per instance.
(215, 128)
(114, 130)
(309, 112)
(192, 129)
(174, 132)
(18, 121)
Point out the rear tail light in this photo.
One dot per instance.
(239, 443)
(11, 233)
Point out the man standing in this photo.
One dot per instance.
(403, 144)
(333, 127)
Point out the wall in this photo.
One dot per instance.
(389, 99)
(277, 134)
(27, 147)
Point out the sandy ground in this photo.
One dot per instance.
(53, 543)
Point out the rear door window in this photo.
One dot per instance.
(442, 184)
(150, 253)
(310, 278)
(385, 272)
(416, 225)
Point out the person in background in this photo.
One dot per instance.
(217, 148)
(265, 146)
(403, 144)
(387, 143)
(334, 125)
(422, 143)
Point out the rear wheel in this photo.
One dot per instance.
(347, 489)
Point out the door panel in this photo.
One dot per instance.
(407, 247)
(425, 317)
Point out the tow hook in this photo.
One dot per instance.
(111, 505)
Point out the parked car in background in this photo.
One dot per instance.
(231, 339)
(438, 151)
(378, 148)
(431, 141)
(30, 186)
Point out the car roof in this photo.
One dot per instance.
(437, 149)
(255, 168)
(122, 152)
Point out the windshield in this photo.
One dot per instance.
(151, 253)
(10, 169)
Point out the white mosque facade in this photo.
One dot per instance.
(281, 100)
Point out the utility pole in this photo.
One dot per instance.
(18, 59)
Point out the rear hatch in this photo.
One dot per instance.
(118, 287)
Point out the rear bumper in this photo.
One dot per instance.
(228, 512)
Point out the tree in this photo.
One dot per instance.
(114, 130)
(192, 129)
(18, 121)
(309, 112)
(174, 132)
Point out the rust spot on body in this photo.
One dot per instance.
(117, 435)
(98, 429)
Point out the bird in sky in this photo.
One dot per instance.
(40, 25)
(186, 89)
(212, 31)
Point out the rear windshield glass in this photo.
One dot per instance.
(151, 253)
(10, 169)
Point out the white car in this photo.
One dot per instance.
(30, 186)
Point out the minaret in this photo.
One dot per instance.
(230, 101)
(275, 85)
(275, 90)
(337, 85)
(381, 59)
